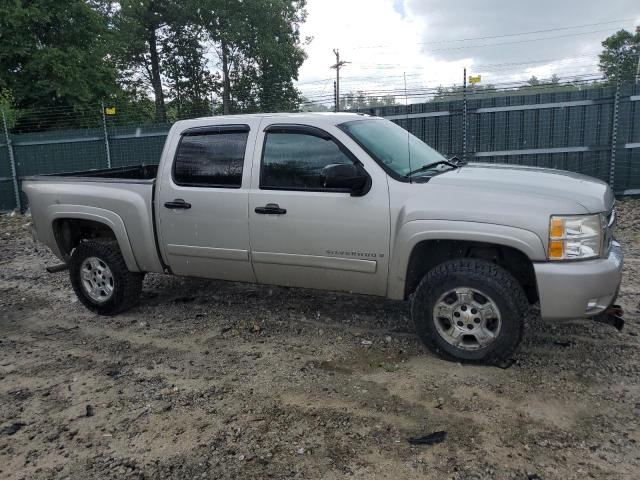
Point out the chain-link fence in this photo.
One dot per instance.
(42, 141)
(591, 128)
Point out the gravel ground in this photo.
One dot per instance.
(208, 379)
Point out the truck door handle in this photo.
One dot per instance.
(271, 209)
(177, 203)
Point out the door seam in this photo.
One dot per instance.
(253, 157)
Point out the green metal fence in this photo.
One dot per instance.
(72, 150)
(593, 130)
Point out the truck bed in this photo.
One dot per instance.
(121, 198)
(135, 173)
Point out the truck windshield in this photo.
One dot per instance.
(390, 145)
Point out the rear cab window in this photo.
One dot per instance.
(211, 157)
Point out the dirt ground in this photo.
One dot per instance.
(208, 379)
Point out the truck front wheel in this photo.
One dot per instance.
(470, 310)
(101, 280)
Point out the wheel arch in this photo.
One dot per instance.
(69, 227)
(426, 244)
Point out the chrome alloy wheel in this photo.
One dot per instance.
(467, 318)
(96, 279)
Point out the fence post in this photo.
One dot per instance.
(464, 117)
(614, 132)
(106, 136)
(12, 162)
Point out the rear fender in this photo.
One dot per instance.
(106, 217)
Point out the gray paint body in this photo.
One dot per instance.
(332, 240)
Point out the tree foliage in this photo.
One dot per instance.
(184, 66)
(619, 57)
(55, 54)
(359, 100)
(177, 53)
(535, 81)
(259, 49)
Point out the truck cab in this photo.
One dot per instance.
(248, 199)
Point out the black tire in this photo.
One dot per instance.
(497, 283)
(126, 285)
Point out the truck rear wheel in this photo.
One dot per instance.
(470, 310)
(101, 280)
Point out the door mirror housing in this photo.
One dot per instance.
(352, 177)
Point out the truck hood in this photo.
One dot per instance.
(515, 196)
(566, 188)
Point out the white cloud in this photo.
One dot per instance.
(385, 39)
(354, 26)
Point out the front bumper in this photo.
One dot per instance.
(578, 289)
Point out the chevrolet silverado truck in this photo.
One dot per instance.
(341, 202)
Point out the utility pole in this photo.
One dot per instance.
(464, 115)
(339, 63)
(106, 136)
(12, 162)
(614, 128)
(638, 53)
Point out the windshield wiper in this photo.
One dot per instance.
(454, 162)
(455, 159)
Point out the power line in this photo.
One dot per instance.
(542, 60)
(586, 77)
(532, 32)
(388, 66)
(520, 41)
(422, 91)
(589, 60)
(515, 42)
(476, 67)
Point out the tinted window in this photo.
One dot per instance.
(296, 160)
(211, 159)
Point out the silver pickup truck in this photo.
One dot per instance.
(341, 202)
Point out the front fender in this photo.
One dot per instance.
(100, 215)
(416, 231)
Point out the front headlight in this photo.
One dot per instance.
(575, 237)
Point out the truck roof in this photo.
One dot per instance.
(328, 117)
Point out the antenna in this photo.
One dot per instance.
(406, 111)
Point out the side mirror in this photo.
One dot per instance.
(348, 176)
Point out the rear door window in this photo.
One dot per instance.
(211, 158)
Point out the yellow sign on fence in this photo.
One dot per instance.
(473, 80)
(110, 111)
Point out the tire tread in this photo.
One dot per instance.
(129, 283)
(481, 270)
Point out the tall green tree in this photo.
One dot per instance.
(259, 51)
(187, 73)
(619, 58)
(55, 54)
(277, 49)
(140, 27)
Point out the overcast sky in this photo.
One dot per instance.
(427, 40)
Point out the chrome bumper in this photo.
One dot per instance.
(579, 289)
